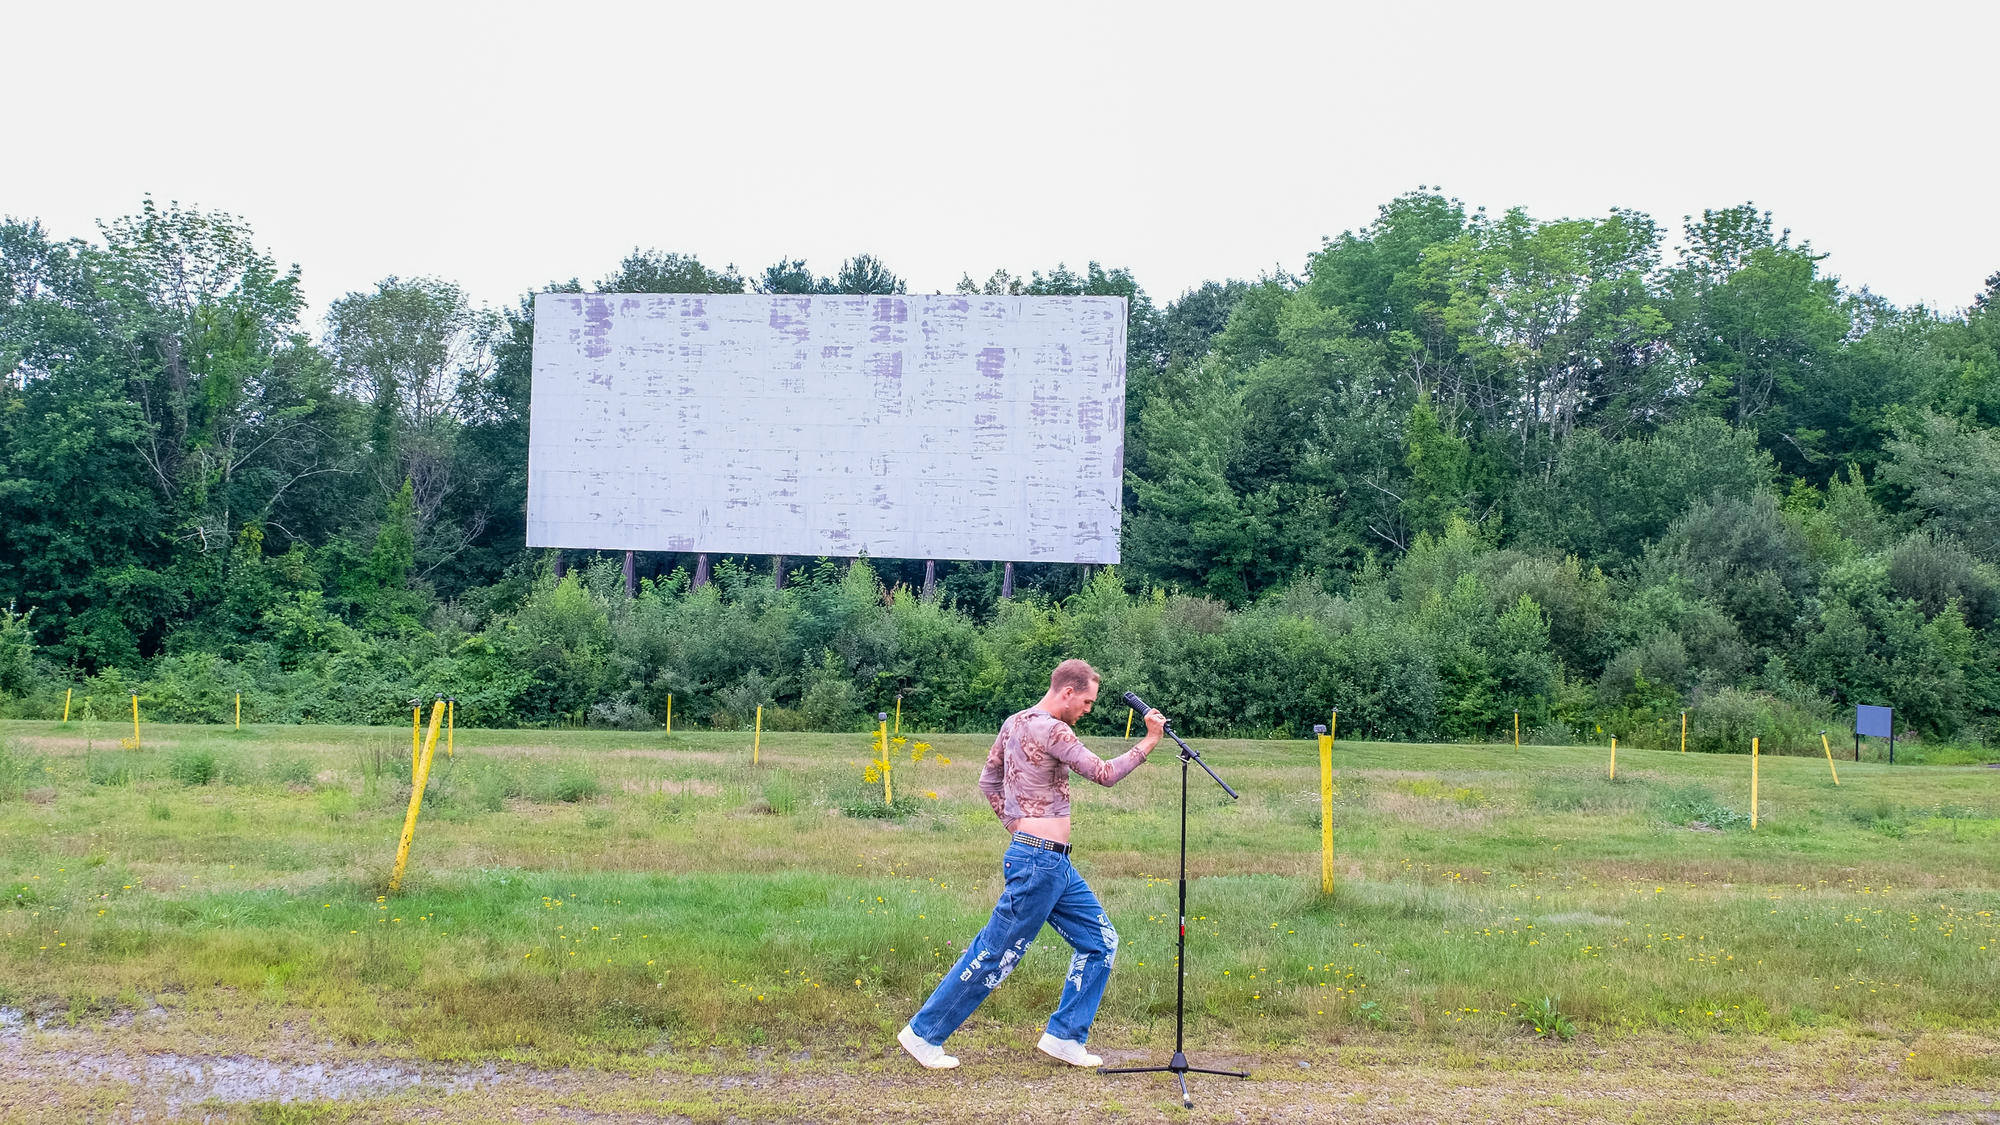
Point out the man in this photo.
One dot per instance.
(1026, 780)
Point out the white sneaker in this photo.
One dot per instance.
(1067, 1050)
(933, 1058)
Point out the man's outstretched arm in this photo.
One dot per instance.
(1067, 748)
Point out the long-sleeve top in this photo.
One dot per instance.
(1027, 772)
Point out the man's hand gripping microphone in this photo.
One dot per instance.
(1188, 754)
(1138, 705)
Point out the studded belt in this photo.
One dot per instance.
(1038, 842)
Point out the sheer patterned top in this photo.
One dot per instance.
(1027, 772)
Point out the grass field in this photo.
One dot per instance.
(656, 916)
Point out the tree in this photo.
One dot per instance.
(865, 273)
(1951, 471)
(788, 275)
(232, 399)
(1554, 324)
(652, 271)
(859, 275)
(1759, 324)
(1606, 499)
(416, 351)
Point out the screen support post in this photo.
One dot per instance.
(1178, 1065)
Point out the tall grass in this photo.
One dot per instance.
(580, 892)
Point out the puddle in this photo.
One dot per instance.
(181, 1080)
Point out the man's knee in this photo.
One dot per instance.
(1100, 937)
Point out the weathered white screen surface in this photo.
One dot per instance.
(948, 427)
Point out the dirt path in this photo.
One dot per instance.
(136, 1073)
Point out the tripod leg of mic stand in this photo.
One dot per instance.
(1178, 1065)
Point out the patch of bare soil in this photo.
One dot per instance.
(119, 1074)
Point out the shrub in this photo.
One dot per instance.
(622, 713)
(569, 783)
(1695, 804)
(194, 767)
(1725, 721)
(292, 771)
(112, 769)
(780, 795)
(869, 806)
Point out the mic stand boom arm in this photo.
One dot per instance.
(1190, 754)
(1178, 1066)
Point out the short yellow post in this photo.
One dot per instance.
(136, 744)
(418, 780)
(1826, 746)
(882, 732)
(1517, 730)
(1753, 785)
(239, 710)
(1684, 732)
(416, 715)
(899, 714)
(1325, 809)
(1614, 757)
(670, 712)
(66, 695)
(450, 724)
(757, 740)
(1129, 716)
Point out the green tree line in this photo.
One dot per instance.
(1462, 466)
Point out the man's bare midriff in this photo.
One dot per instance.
(1053, 828)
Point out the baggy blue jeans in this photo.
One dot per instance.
(1041, 886)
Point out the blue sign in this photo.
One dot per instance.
(1876, 722)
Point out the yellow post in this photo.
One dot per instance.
(1614, 757)
(418, 780)
(1517, 730)
(1824, 745)
(757, 740)
(416, 714)
(1753, 785)
(1684, 732)
(670, 713)
(1129, 716)
(899, 715)
(136, 744)
(66, 695)
(239, 710)
(882, 732)
(1325, 809)
(450, 724)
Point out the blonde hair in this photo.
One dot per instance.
(1077, 675)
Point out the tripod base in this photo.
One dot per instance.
(1179, 1068)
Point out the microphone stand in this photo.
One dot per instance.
(1178, 1065)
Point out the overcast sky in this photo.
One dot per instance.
(503, 145)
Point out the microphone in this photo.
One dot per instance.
(1188, 754)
